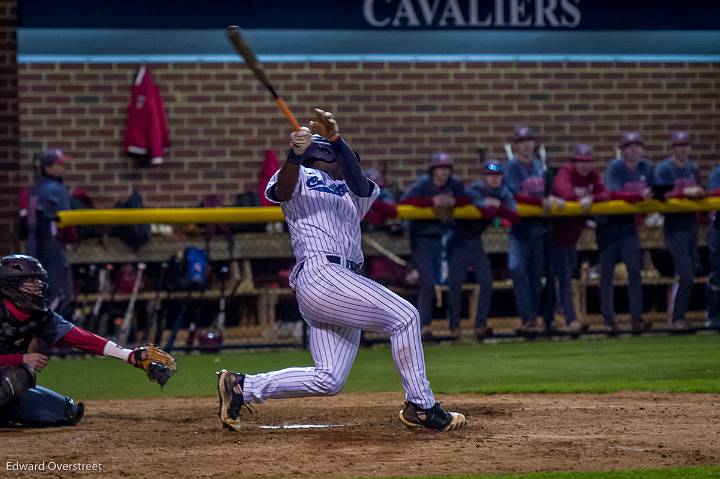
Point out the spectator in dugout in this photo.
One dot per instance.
(384, 208)
(627, 178)
(48, 197)
(577, 181)
(713, 241)
(380, 217)
(681, 174)
(494, 200)
(525, 178)
(441, 191)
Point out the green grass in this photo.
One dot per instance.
(660, 363)
(670, 473)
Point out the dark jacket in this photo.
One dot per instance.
(16, 335)
(421, 193)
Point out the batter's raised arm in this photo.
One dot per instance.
(326, 126)
(354, 176)
(300, 140)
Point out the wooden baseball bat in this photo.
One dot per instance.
(384, 251)
(243, 48)
(508, 151)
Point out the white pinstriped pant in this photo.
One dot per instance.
(337, 304)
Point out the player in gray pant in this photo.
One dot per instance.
(681, 229)
(629, 179)
(440, 190)
(324, 195)
(712, 292)
(525, 178)
(493, 200)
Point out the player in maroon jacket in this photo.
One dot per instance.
(385, 207)
(576, 181)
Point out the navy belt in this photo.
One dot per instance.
(351, 265)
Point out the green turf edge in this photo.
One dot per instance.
(701, 472)
(659, 364)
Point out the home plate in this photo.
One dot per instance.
(303, 426)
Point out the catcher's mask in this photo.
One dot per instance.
(24, 282)
(319, 150)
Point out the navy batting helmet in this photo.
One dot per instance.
(493, 167)
(15, 271)
(319, 150)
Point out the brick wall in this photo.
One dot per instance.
(396, 114)
(8, 126)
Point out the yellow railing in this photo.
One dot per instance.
(265, 214)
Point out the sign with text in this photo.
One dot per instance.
(373, 14)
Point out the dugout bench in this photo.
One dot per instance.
(258, 304)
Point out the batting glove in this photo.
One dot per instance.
(300, 140)
(325, 125)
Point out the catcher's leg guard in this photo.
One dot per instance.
(14, 381)
(42, 407)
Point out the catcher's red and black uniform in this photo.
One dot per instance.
(38, 406)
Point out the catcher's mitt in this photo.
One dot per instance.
(159, 365)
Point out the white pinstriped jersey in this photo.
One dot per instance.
(324, 215)
(324, 219)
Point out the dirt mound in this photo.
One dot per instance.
(363, 437)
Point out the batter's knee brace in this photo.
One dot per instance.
(15, 381)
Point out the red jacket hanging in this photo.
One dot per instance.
(270, 166)
(147, 134)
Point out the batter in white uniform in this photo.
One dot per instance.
(324, 195)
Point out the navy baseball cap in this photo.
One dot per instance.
(493, 167)
(440, 158)
(631, 138)
(523, 133)
(680, 138)
(50, 157)
(582, 152)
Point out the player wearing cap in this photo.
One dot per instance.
(48, 197)
(713, 242)
(25, 318)
(681, 229)
(384, 208)
(494, 200)
(627, 178)
(440, 190)
(576, 181)
(525, 178)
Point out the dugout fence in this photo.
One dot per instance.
(248, 273)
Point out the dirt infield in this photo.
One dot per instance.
(183, 438)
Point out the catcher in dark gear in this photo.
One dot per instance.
(25, 315)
